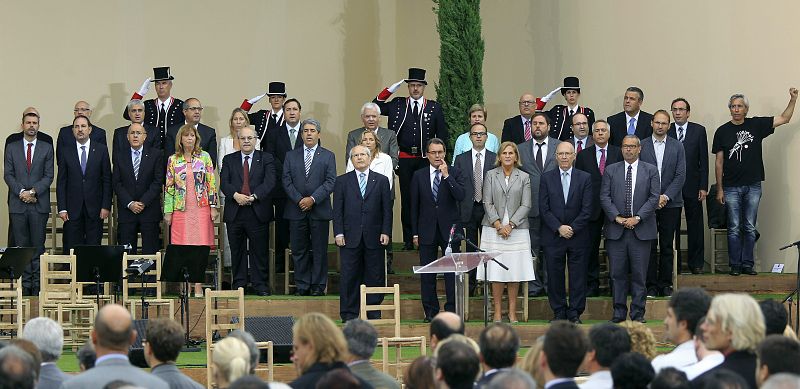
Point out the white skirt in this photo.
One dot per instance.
(516, 255)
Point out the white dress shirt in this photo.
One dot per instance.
(25, 144)
(681, 356)
(628, 120)
(296, 129)
(678, 128)
(87, 144)
(598, 380)
(313, 152)
(709, 362)
(659, 146)
(278, 115)
(166, 104)
(432, 174)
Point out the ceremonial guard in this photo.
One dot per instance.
(164, 111)
(267, 119)
(561, 115)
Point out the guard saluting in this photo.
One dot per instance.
(267, 119)
(561, 115)
(415, 120)
(163, 111)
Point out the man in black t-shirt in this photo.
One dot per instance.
(739, 170)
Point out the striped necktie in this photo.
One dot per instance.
(435, 188)
(308, 160)
(362, 183)
(137, 160)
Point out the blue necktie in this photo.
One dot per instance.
(362, 183)
(435, 189)
(632, 126)
(565, 185)
(83, 159)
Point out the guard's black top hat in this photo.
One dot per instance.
(162, 74)
(571, 83)
(276, 88)
(416, 75)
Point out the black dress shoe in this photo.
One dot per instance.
(576, 320)
(734, 271)
(652, 292)
(536, 294)
(558, 318)
(617, 320)
(697, 270)
(426, 320)
(749, 271)
(301, 292)
(264, 293)
(318, 292)
(667, 291)
(640, 320)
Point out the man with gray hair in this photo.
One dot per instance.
(512, 379)
(17, 368)
(48, 336)
(192, 111)
(136, 110)
(782, 381)
(739, 169)
(309, 175)
(370, 116)
(361, 341)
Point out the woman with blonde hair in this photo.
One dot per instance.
(642, 339)
(190, 193)
(380, 162)
(530, 364)
(229, 361)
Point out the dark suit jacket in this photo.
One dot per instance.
(645, 199)
(278, 144)
(208, 140)
(464, 163)
(92, 189)
(262, 181)
(742, 363)
(309, 378)
(574, 212)
(356, 217)
(561, 120)
(120, 141)
(319, 183)
(587, 161)
(565, 385)
(262, 122)
(673, 168)
(695, 147)
(174, 114)
(387, 138)
(66, 140)
(39, 135)
(513, 130)
(619, 127)
(174, 377)
(146, 189)
(18, 178)
(427, 214)
(528, 158)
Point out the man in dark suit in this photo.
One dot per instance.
(562, 116)
(499, 345)
(474, 164)
(632, 120)
(370, 115)
(362, 224)
(164, 111)
(279, 141)
(629, 196)
(66, 140)
(137, 176)
(192, 110)
(594, 161)
(83, 187)
(580, 138)
(247, 180)
(695, 188)
(265, 120)
(309, 176)
(563, 350)
(666, 153)
(538, 156)
(136, 113)
(518, 129)
(415, 120)
(28, 172)
(565, 204)
(436, 192)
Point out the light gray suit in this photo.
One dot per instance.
(629, 250)
(527, 155)
(29, 221)
(112, 370)
(387, 138)
(497, 196)
(372, 376)
(50, 377)
(173, 377)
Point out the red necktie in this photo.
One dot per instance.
(580, 146)
(528, 134)
(29, 156)
(246, 177)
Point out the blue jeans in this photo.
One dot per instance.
(742, 203)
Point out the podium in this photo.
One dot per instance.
(460, 264)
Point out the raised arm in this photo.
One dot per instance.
(787, 113)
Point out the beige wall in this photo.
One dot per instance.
(335, 55)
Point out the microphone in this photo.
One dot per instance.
(449, 250)
(790, 245)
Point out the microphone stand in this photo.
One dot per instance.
(795, 295)
(485, 281)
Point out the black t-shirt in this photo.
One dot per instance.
(741, 147)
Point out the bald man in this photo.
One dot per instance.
(443, 325)
(67, 139)
(112, 335)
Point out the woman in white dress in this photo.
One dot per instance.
(381, 162)
(507, 200)
(230, 144)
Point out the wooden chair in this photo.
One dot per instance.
(14, 310)
(158, 301)
(397, 340)
(58, 299)
(225, 312)
(288, 272)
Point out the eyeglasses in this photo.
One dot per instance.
(477, 134)
(246, 138)
(526, 102)
(581, 124)
(81, 110)
(436, 152)
(679, 110)
(198, 109)
(630, 146)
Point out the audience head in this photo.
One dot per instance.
(499, 346)
(632, 371)
(734, 322)
(113, 330)
(31, 349)
(775, 317)
(724, 379)
(250, 342)
(419, 374)
(165, 339)
(317, 339)
(17, 368)
(782, 381)
(530, 364)
(370, 114)
(477, 114)
(777, 354)
(361, 338)
(340, 378)
(670, 378)
(563, 350)
(600, 132)
(580, 125)
(632, 101)
(86, 356)
(684, 310)
(443, 325)
(229, 361)
(248, 382)
(607, 341)
(47, 335)
(457, 364)
(642, 339)
(511, 379)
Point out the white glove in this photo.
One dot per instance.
(145, 87)
(396, 85)
(551, 94)
(254, 100)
